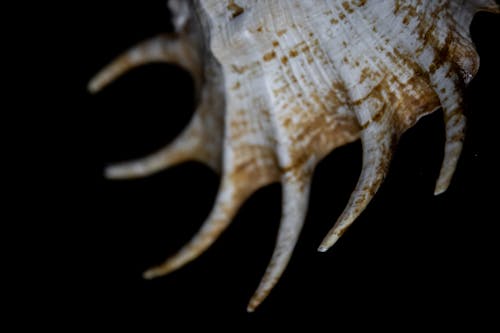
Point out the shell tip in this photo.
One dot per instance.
(257, 299)
(439, 191)
(441, 187)
(328, 242)
(108, 173)
(111, 172)
(125, 170)
(322, 248)
(250, 308)
(94, 85)
(149, 274)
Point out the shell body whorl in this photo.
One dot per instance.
(280, 84)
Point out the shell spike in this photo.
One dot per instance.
(455, 132)
(280, 84)
(455, 123)
(190, 145)
(295, 197)
(228, 201)
(169, 48)
(377, 144)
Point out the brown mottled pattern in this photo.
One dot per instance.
(235, 9)
(286, 81)
(347, 66)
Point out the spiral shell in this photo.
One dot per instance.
(280, 84)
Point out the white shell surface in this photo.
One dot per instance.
(284, 83)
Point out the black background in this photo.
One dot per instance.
(411, 259)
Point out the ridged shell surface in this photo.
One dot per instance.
(282, 83)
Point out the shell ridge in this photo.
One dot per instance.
(280, 84)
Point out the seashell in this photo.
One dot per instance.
(280, 84)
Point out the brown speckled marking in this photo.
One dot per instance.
(359, 3)
(314, 96)
(247, 170)
(269, 56)
(347, 7)
(239, 69)
(236, 86)
(281, 32)
(397, 6)
(235, 9)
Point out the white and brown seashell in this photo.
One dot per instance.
(281, 83)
